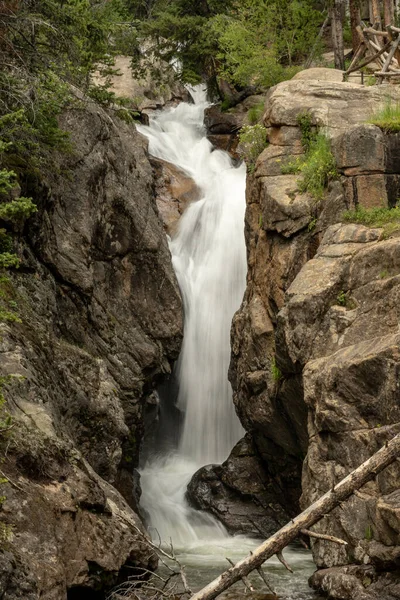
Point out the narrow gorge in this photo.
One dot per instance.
(204, 350)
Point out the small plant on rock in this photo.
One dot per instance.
(341, 298)
(253, 140)
(275, 371)
(318, 168)
(308, 131)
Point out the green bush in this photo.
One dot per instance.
(308, 131)
(317, 168)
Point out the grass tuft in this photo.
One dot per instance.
(387, 219)
(255, 113)
(388, 117)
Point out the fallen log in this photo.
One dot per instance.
(314, 513)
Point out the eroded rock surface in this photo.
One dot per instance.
(315, 344)
(101, 324)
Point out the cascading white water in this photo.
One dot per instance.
(209, 259)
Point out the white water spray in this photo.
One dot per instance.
(209, 258)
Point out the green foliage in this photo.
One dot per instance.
(6, 533)
(341, 298)
(318, 168)
(226, 105)
(293, 166)
(246, 43)
(253, 140)
(386, 218)
(308, 131)
(14, 210)
(312, 224)
(17, 210)
(275, 371)
(388, 117)
(368, 533)
(5, 417)
(255, 113)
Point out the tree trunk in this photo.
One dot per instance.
(375, 13)
(314, 513)
(388, 12)
(337, 13)
(355, 20)
(324, 25)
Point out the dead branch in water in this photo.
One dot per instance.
(314, 513)
(151, 585)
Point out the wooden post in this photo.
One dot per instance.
(314, 513)
(337, 14)
(375, 13)
(388, 12)
(355, 21)
(395, 45)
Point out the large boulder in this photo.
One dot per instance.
(175, 190)
(241, 493)
(146, 92)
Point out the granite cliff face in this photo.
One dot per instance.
(315, 348)
(101, 324)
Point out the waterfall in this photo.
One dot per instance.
(209, 258)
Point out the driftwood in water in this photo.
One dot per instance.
(314, 513)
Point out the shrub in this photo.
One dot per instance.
(318, 168)
(308, 131)
(255, 113)
(275, 371)
(388, 117)
(253, 140)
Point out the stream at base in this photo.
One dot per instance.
(209, 257)
(205, 563)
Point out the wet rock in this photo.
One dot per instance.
(227, 142)
(240, 493)
(357, 583)
(175, 190)
(218, 122)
